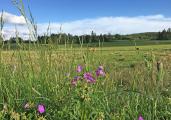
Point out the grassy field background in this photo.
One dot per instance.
(137, 82)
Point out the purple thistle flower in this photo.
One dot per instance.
(100, 71)
(41, 108)
(140, 118)
(89, 77)
(74, 81)
(79, 68)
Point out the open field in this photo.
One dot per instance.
(136, 82)
(85, 60)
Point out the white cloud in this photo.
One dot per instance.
(13, 19)
(121, 25)
(104, 25)
(11, 31)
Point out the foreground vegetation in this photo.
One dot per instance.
(93, 80)
(134, 82)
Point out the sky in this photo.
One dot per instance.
(83, 16)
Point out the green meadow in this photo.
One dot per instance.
(136, 82)
(88, 77)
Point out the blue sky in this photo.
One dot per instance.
(69, 10)
(83, 16)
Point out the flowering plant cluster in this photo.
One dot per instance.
(30, 111)
(82, 82)
(40, 107)
(87, 76)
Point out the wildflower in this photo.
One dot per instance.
(89, 77)
(74, 81)
(79, 68)
(140, 118)
(100, 71)
(41, 108)
(100, 68)
(26, 106)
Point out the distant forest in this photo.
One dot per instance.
(93, 37)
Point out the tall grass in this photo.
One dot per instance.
(135, 82)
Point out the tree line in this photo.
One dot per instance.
(165, 34)
(63, 38)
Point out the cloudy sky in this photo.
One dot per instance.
(83, 16)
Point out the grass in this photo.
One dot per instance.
(136, 82)
(132, 86)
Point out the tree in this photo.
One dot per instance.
(118, 37)
(165, 34)
(14, 40)
(169, 30)
(93, 37)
